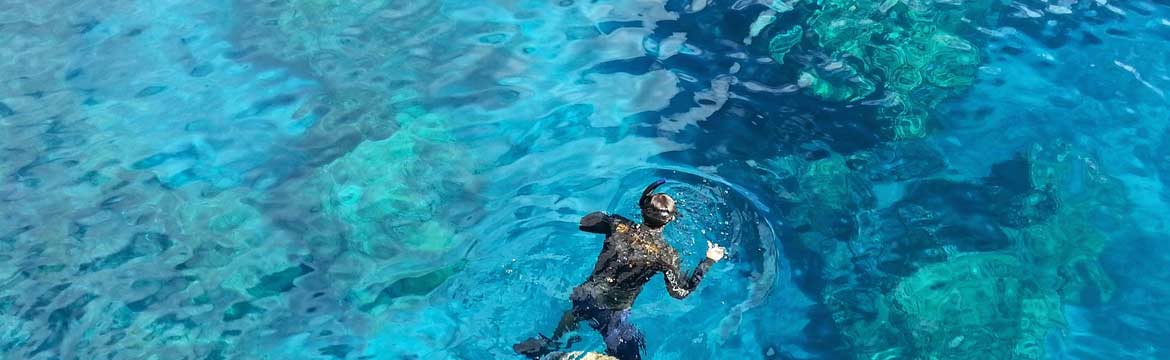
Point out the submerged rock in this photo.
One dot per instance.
(912, 50)
(419, 285)
(387, 193)
(837, 81)
(831, 183)
(783, 42)
(278, 282)
(975, 306)
(949, 269)
(898, 161)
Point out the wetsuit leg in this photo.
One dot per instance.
(622, 339)
(568, 323)
(539, 346)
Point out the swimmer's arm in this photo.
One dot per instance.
(679, 285)
(597, 222)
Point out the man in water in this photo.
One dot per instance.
(631, 255)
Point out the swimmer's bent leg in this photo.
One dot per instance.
(541, 345)
(568, 323)
(622, 339)
(535, 347)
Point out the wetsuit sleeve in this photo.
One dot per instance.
(678, 284)
(597, 222)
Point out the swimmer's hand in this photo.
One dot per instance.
(715, 252)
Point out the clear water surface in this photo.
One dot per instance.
(333, 179)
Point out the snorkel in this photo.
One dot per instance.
(649, 192)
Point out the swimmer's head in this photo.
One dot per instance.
(657, 209)
(659, 212)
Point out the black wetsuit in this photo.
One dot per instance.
(631, 255)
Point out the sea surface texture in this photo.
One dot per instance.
(394, 179)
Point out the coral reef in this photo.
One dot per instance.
(387, 192)
(1065, 248)
(975, 306)
(951, 269)
(911, 52)
(783, 42)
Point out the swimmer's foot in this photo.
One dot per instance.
(572, 340)
(535, 347)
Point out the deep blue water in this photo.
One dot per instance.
(322, 179)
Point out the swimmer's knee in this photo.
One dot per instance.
(625, 343)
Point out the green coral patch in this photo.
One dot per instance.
(384, 191)
(978, 306)
(838, 82)
(910, 124)
(420, 285)
(278, 282)
(953, 63)
(783, 42)
(909, 48)
(904, 78)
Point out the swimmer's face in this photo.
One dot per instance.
(659, 211)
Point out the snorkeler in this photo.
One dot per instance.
(631, 255)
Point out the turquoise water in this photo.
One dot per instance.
(323, 179)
